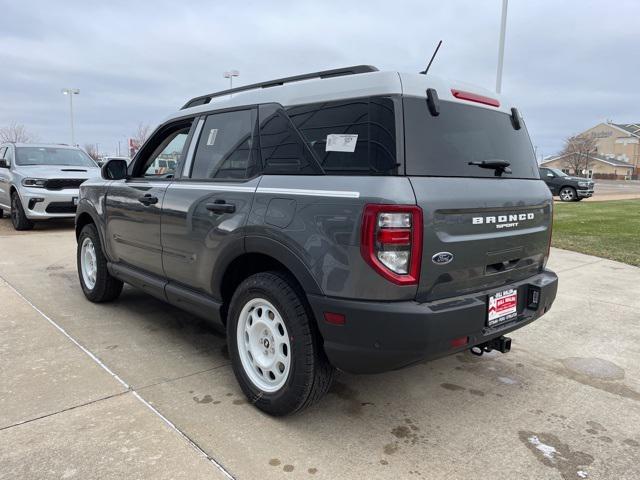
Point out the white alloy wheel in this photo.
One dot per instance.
(263, 345)
(89, 263)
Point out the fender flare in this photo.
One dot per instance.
(278, 251)
(85, 207)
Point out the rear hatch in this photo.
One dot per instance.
(483, 227)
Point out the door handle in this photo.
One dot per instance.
(148, 199)
(220, 206)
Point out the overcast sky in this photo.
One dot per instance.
(568, 64)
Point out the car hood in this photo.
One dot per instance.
(577, 179)
(57, 171)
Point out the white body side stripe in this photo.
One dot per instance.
(313, 193)
(211, 186)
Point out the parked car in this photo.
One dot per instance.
(41, 181)
(347, 219)
(568, 188)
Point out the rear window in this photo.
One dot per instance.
(443, 146)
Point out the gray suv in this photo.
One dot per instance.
(347, 219)
(42, 181)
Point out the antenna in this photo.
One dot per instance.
(424, 72)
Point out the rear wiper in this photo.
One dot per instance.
(500, 166)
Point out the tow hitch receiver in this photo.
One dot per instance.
(502, 344)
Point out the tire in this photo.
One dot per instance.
(568, 194)
(270, 307)
(97, 283)
(1, 213)
(18, 217)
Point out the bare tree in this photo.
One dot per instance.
(16, 132)
(92, 151)
(142, 133)
(577, 151)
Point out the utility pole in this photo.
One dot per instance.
(71, 92)
(503, 28)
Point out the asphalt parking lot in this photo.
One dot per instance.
(138, 389)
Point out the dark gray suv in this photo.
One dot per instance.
(350, 218)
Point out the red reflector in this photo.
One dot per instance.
(334, 318)
(474, 97)
(395, 236)
(459, 342)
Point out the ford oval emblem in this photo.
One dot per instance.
(442, 258)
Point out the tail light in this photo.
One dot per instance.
(392, 241)
(546, 257)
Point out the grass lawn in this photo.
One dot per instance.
(609, 229)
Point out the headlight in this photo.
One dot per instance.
(34, 182)
(583, 184)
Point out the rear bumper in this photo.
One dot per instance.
(381, 336)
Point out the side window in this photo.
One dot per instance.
(355, 136)
(164, 151)
(2, 150)
(8, 156)
(283, 150)
(226, 146)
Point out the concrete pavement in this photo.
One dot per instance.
(565, 403)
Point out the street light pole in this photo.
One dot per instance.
(503, 29)
(71, 92)
(230, 74)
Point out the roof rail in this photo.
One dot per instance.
(336, 72)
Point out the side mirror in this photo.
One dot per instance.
(4, 163)
(114, 169)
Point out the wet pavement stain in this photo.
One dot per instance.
(55, 267)
(605, 439)
(390, 448)
(552, 452)
(597, 373)
(594, 367)
(274, 462)
(111, 347)
(239, 401)
(349, 395)
(478, 393)
(312, 471)
(205, 399)
(452, 386)
(631, 442)
(288, 468)
(384, 462)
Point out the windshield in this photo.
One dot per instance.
(443, 146)
(67, 157)
(558, 173)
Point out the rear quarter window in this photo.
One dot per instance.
(367, 126)
(444, 145)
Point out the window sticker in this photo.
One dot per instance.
(341, 142)
(213, 133)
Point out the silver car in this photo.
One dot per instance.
(41, 181)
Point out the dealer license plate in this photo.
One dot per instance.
(503, 306)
